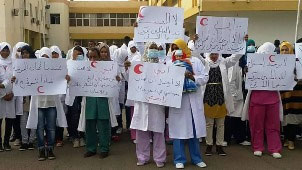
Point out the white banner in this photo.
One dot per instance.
(95, 79)
(159, 24)
(270, 72)
(39, 77)
(223, 35)
(298, 51)
(156, 83)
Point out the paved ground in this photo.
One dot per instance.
(122, 157)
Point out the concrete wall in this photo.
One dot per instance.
(59, 33)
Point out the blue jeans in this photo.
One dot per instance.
(194, 148)
(46, 121)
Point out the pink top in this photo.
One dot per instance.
(264, 97)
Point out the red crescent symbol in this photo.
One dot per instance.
(137, 69)
(38, 89)
(202, 21)
(140, 15)
(93, 64)
(270, 58)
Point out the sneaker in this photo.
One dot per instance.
(151, 140)
(224, 144)
(17, 142)
(104, 155)
(82, 142)
(50, 154)
(200, 140)
(134, 141)
(31, 146)
(179, 166)
(7, 147)
(141, 163)
(291, 145)
(201, 165)
(24, 147)
(12, 138)
(160, 164)
(209, 150)
(76, 143)
(59, 143)
(277, 155)
(286, 143)
(119, 131)
(220, 151)
(42, 156)
(258, 153)
(89, 154)
(1, 148)
(245, 143)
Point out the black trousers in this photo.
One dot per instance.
(73, 117)
(16, 127)
(290, 132)
(8, 130)
(237, 128)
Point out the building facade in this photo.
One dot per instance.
(268, 20)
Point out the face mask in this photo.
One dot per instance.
(80, 57)
(251, 49)
(152, 53)
(162, 54)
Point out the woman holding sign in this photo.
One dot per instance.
(9, 104)
(188, 122)
(292, 105)
(264, 110)
(149, 118)
(46, 108)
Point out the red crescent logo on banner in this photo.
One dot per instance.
(93, 64)
(271, 58)
(137, 69)
(202, 21)
(39, 89)
(140, 15)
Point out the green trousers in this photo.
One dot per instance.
(102, 138)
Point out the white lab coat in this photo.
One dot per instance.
(180, 119)
(235, 78)
(224, 65)
(9, 109)
(32, 121)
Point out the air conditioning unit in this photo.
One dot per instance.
(33, 20)
(38, 22)
(26, 12)
(47, 6)
(15, 12)
(47, 26)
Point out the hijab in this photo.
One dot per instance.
(120, 56)
(181, 44)
(288, 45)
(146, 50)
(104, 45)
(69, 57)
(45, 50)
(57, 50)
(211, 63)
(8, 60)
(16, 47)
(267, 48)
(29, 50)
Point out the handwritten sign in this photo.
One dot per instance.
(156, 83)
(298, 50)
(159, 24)
(223, 35)
(39, 77)
(270, 72)
(95, 79)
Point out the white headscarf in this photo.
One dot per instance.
(267, 48)
(16, 47)
(112, 50)
(163, 45)
(8, 60)
(211, 63)
(37, 53)
(57, 50)
(69, 57)
(46, 51)
(120, 56)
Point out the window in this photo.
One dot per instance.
(113, 22)
(79, 22)
(54, 18)
(127, 23)
(86, 22)
(100, 22)
(106, 22)
(72, 15)
(72, 22)
(119, 22)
